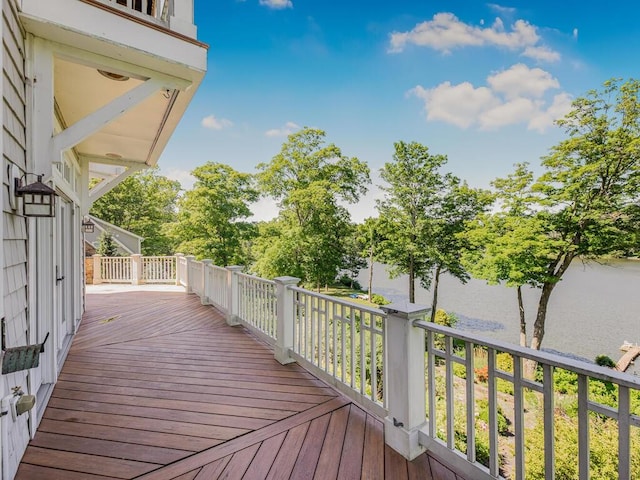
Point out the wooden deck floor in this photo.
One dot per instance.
(157, 386)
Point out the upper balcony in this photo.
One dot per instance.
(122, 73)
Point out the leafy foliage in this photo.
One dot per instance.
(142, 204)
(107, 246)
(309, 180)
(605, 361)
(379, 299)
(368, 237)
(212, 217)
(585, 204)
(423, 215)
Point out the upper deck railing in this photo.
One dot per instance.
(465, 398)
(156, 9)
(176, 15)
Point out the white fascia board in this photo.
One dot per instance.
(104, 224)
(76, 23)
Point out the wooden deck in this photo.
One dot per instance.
(157, 386)
(632, 352)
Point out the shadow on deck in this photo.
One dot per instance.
(157, 386)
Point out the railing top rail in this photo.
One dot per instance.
(577, 366)
(358, 306)
(158, 257)
(217, 268)
(258, 279)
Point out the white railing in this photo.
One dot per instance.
(135, 269)
(196, 282)
(159, 269)
(480, 374)
(344, 340)
(181, 270)
(157, 9)
(257, 305)
(438, 388)
(115, 269)
(216, 283)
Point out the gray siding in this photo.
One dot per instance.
(14, 226)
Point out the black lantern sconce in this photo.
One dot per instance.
(38, 199)
(87, 225)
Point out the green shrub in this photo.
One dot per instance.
(603, 448)
(445, 319)
(504, 362)
(346, 281)
(459, 371)
(379, 299)
(605, 361)
(483, 416)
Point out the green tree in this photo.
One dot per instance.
(107, 246)
(423, 216)
(353, 261)
(510, 246)
(369, 238)
(591, 184)
(412, 191)
(457, 205)
(142, 204)
(584, 205)
(212, 216)
(309, 179)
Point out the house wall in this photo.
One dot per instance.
(14, 294)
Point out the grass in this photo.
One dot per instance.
(340, 291)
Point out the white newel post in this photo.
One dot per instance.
(285, 318)
(181, 18)
(97, 269)
(136, 269)
(206, 287)
(233, 294)
(189, 285)
(405, 378)
(178, 263)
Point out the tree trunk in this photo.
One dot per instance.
(523, 323)
(434, 301)
(412, 283)
(538, 328)
(370, 271)
(541, 316)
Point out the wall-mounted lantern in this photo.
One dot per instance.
(38, 199)
(87, 225)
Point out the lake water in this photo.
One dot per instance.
(592, 311)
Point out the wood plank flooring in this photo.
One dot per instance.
(158, 387)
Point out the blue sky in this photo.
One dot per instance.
(478, 82)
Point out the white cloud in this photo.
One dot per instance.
(284, 131)
(520, 80)
(459, 105)
(544, 119)
(541, 53)
(264, 210)
(513, 96)
(214, 123)
(501, 10)
(183, 176)
(575, 33)
(445, 32)
(277, 4)
(513, 111)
